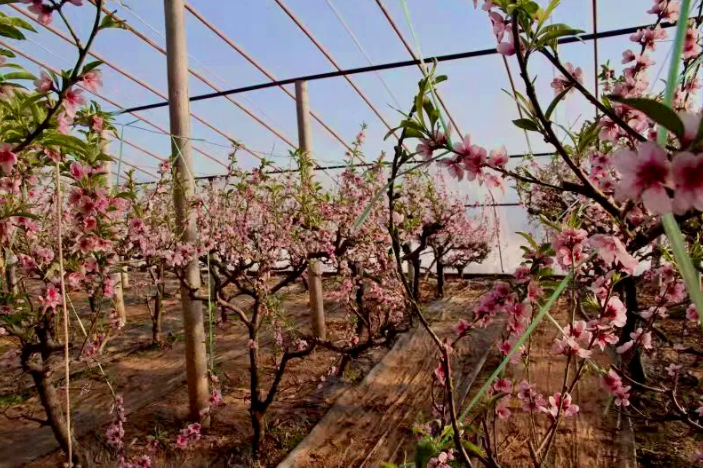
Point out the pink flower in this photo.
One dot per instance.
(673, 369)
(73, 99)
(692, 313)
(645, 339)
(44, 83)
(568, 246)
(506, 48)
(691, 49)
(181, 441)
(691, 124)
(474, 162)
(440, 374)
(502, 411)
(51, 298)
(556, 402)
(63, 123)
(503, 386)
(461, 327)
(92, 81)
(77, 170)
(454, 167)
(463, 147)
(499, 157)
(427, 147)
(568, 346)
(624, 347)
(7, 158)
(615, 313)
(628, 56)
(96, 123)
(216, 398)
(688, 180)
(611, 251)
(645, 174)
(487, 5)
(42, 11)
(562, 82)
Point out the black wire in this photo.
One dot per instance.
(389, 66)
(345, 166)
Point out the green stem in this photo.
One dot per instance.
(671, 227)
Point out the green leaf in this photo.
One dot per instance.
(526, 124)
(7, 53)
(543, 15)
(528, 238)
(91, 66)
(553, 32)
(390, 132)
(555, 102)
(19, 75)
(20, 23)
(110, 22)
(65, 142)
(699, 135)
(11, 32)
(656, 111)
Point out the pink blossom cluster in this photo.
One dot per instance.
(115, 431)
(188, 436)
(502, 29)
(648, 174)
(613, 383)
(441, 460)
(562, 83)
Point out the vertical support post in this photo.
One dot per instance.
(125, 277)
(183, 190)
(118, 298)
(317, 311)
(594, 8)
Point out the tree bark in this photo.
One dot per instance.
(42, 376)
(440, 272)
(629, 288)
(416, 278)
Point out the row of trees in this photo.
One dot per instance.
(607, 197)
(65, 228)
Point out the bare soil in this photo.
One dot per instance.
(152, 382)
(372, 423)
(364, 418)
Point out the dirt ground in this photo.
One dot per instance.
(364, 418)
(372, 423)
(152, 382)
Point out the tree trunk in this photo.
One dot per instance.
(257, 416)
(416, 278)
(157, 321)
(13, 283)
(440, 273)
(257, 423)
(50, 400)
(48, 394)
(629, 288)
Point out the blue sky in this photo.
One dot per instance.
(473, 93)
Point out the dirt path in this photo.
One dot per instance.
(372, 423)
(143, 377)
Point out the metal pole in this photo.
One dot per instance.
(317, 311)
(183, 191)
